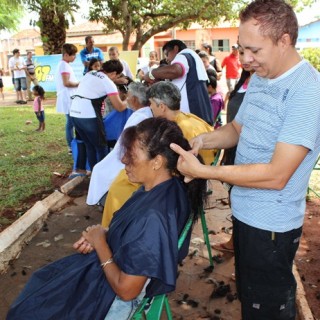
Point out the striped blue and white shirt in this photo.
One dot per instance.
(285, 109)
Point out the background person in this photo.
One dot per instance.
(38, 109)
(86, 107)
(212, 58)
(66, 83)
(187, 72)
(90, 52)
(115, 55)
(108, 168)
(111, 277)
(30, 73)
(233, 66)
(1, 83)
(278, 136)
(17, 66)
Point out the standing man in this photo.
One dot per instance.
(278, 135)
(17, 67)
(30, 72)
(187, 72)
(114, 55)
(233, 66)
(90, 52)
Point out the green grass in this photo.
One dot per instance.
(29, 158)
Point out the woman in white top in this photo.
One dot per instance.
(86, 108)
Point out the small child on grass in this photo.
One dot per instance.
(38, 93)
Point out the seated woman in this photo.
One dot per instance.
(140, 245)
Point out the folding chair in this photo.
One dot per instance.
(316, 167)
(203, 218)
(152, 308)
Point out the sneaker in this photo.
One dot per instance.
(69, 151)
(23, 102)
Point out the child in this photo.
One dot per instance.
(38, 93)
(94, 64)
(216, 100)
(1, 83)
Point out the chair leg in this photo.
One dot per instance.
(206, 236)
(168, 310)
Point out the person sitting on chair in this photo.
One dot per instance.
(164, 100)
(141, 243)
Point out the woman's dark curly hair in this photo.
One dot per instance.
(155, 135)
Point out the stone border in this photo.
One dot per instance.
(18, 234)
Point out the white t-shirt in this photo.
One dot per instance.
(108, 168)
(126, 69)
(63, 93)
(93, 85)
(181, 82)
(20, 63)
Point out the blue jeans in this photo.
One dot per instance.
(123, 310)
(69, 130)
(88, 130)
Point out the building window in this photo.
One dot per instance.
(221, 45)
(191, 44)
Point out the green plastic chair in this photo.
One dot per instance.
(152, 308)
(316, 167)
(203, 217)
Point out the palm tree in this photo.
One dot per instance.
(53, 21)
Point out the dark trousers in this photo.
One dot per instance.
(263, 262)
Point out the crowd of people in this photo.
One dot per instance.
(155, 177)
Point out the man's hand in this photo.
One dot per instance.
(187, 164)
(196, 145)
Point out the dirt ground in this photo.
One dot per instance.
(195, 297)
(308, 256)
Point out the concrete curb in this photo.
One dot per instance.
(17, 235)
(303, 308)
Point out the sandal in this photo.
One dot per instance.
(222, 247)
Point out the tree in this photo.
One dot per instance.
(10, 14)
(313, 55)
(53, 21)
(145, 18)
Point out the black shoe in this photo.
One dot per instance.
(23, 102)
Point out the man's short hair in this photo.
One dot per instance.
(167, 93)
(139, 90)
(87, 38)
(69, 48)
(113, 49)
(112, 66)
(172, 43)
(275, 18)
(15, 51)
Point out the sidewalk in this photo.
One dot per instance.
(191, 299)
(10, 96)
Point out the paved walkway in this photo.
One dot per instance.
(192, 299)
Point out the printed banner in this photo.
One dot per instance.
(46, 67)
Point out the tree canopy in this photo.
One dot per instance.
(10, 14)
(146, 18)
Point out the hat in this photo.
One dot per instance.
(235, 46)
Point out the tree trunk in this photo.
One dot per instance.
(53, 30)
